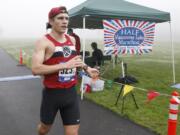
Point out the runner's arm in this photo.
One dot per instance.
(38, 68)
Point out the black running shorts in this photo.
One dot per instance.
(63, 100)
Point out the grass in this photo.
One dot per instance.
(13, 47)
(154, 72)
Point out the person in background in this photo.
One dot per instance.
(55, 59)
(97, 55)
(77, 39)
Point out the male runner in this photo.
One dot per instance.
(55, 59)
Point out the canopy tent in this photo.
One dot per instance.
(90, 14)
(97, 10)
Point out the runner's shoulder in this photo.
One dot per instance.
(43, 42)
(72, 39)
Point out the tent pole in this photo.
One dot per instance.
(172, 51)
(84, 42)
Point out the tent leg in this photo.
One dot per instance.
(172, 50)
(84, 42)
(84, 38)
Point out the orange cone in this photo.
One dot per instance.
(20, 58)
(173, 114)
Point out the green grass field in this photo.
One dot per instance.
(153, 71)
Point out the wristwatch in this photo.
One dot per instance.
(85, 67)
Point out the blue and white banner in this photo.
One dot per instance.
(128, 36)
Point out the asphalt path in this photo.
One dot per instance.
(20, 105)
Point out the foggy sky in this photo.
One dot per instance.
(27, 18)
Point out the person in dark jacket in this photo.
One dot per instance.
(97, 55)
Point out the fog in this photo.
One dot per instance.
(27, 18)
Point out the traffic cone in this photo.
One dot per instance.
(20, 58)
(173, 113)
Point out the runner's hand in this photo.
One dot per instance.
(91, 71)
(74, 62)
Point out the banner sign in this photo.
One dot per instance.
(128, 36)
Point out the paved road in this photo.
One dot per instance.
(20, 102)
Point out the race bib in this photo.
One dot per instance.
(67, 75)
